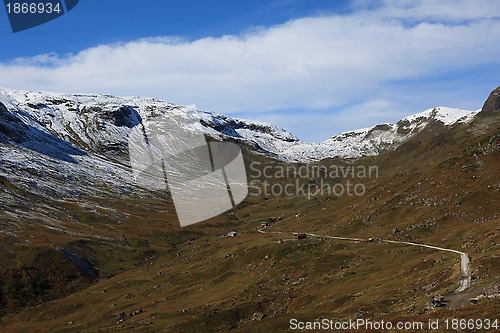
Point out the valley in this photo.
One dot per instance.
(83, 248)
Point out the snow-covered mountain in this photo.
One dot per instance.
(70, 126)
(60, 147)
(379, 138)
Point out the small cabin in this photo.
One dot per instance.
(300, 236)
(263, 224)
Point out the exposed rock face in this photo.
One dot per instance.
(491, 107)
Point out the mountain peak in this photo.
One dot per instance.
(492, 105)
(447, 116)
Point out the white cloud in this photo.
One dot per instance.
(314, 63)
(445, 10)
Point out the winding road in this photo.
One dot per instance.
(465, 277)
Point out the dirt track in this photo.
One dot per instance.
(456, 299)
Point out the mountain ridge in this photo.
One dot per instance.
(100, 123)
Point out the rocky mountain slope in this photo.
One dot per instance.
(59, 146)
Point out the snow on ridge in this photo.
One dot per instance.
(374, 140)
(446, 115)
(61, 113)
(144, 106)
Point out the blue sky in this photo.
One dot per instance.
(314, 67)
(102, 22)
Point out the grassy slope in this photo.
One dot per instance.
(438, 189)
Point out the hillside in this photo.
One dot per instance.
(84, 249)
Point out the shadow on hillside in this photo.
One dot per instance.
(13, 130)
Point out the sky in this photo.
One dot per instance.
(314, 67)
